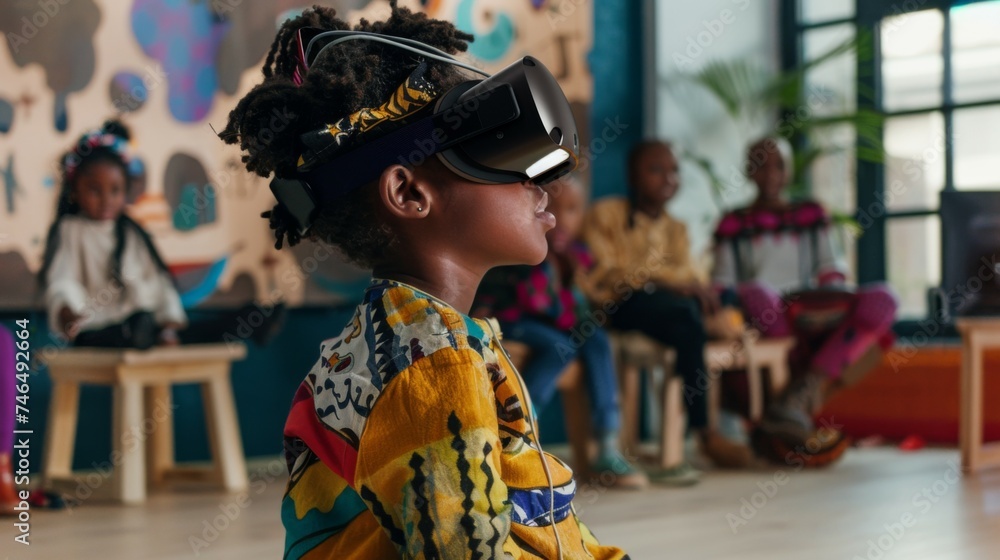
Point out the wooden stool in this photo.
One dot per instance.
(753, 354)
(141, 382)
(637, 353)
(772, 354)
(978, 335)
(750, 352)
(576, 404)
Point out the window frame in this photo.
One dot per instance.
(870, 176)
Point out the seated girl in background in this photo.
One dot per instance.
(774, 247)
(541, 306)
(105, 283)
(411, 437)
(643, 265)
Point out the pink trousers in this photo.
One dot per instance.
(869, 322)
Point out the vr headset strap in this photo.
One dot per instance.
(409, 145)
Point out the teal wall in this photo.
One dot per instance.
(265, 382)
(616, 63)
(263, 385)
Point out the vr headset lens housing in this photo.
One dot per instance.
(541, 144)
(512, 127)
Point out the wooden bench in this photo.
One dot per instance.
(142, 413)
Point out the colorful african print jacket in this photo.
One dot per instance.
(411, 437)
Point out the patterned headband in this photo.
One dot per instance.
(90, 141)
(415, 93)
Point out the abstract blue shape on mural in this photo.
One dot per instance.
(6, 115)
(191, 196)
(136, 166)
(184, 36)
(9, 183)
(494, 44)
(127, 92)
(204, 287)
(194, 209)
(60, 117)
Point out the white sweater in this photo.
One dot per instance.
(80, 278)
(783, 260)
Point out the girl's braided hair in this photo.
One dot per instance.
(269, 120)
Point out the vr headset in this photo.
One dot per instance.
(513, 126)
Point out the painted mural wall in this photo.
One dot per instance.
(172, 70)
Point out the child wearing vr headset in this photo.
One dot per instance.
(413, 436)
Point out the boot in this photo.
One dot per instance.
(791, 415)
(723, 452)
(8, 492)
(788, 426)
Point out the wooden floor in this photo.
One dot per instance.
(910, 504)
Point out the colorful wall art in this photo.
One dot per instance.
(172, 70)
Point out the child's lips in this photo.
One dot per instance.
(547, 218)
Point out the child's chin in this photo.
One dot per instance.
(537, 256)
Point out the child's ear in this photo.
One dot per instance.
(402, 194)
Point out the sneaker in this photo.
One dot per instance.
(725, 453)
(681, 475)
(614, 471)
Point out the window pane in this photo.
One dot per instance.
(832, 177)
(977, 147)
(818, 11)
(912, 64)
(914, 161)
(913, 250)
(830, 87)
(975, 55)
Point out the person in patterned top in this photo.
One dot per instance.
(544, 308)
(412, 436)
(778, 255)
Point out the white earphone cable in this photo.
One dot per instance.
(398, 42)
(541, 453)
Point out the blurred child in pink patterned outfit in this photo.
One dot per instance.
(775, 247)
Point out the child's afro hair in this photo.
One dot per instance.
(269, 120)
